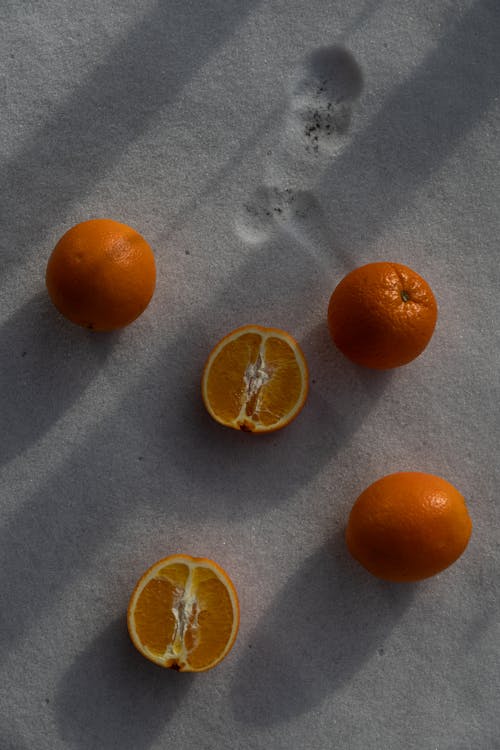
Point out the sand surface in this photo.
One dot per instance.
(263, 149)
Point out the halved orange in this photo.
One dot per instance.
(255, 379)
(184, 613)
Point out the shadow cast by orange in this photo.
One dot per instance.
(111, 697)
(326, 622)
(47, 363)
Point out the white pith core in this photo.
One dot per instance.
(256, 376)
(185, 613)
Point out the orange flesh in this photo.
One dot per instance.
(226, 384)
(184, 617)
(255, 381)
(215, 622)
(283, 392)
(154, 621)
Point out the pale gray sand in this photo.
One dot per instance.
(263, 149)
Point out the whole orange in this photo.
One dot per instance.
(101, 274)
(382, 315)
(408, 526)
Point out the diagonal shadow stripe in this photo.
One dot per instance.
(110, 109)
(419, 125)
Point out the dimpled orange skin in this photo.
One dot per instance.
(382, 315)
(101, 274)
(408, 526)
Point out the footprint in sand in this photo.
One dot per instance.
(272, 209)
(314, 130)
(322, 101)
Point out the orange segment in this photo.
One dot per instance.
(255, 379)
(184, 614)
(215, 622)
(226, 384)
(157, 599)
(285, 389)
